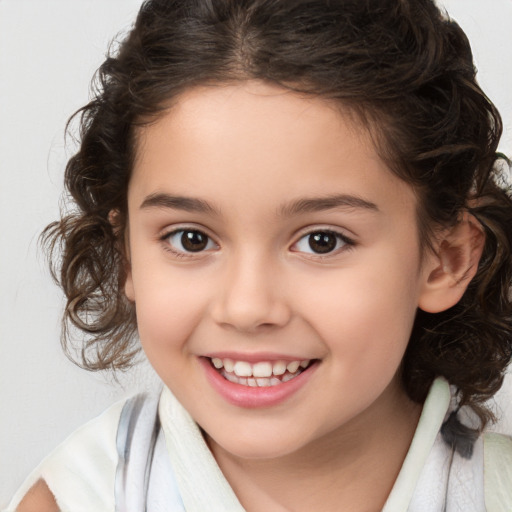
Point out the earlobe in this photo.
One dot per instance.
(128, 286)
(452, 267)
(128, 283)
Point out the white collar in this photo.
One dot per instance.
(203, 486)
(431, 419)
(201, 483)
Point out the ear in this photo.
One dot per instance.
(128, 283)
(450, 269)
(123, 242)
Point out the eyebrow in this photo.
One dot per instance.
(318, 204)
(189, 204)
(297, 207)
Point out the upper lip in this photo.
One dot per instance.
(255, 357)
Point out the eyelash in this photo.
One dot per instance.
(165, 239)
(347, 242)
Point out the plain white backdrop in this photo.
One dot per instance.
(49, 50)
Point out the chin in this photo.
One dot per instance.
(261, 447)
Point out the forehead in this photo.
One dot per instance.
(259, 140)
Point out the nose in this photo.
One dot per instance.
(252, 296)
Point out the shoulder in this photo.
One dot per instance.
(81, 470)
(38, 499)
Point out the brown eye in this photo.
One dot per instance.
(194, 241)
(189, 240)
(322, 242)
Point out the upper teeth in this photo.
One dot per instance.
(261, 369)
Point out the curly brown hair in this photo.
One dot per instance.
(405, 70)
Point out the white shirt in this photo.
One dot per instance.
(81, 472)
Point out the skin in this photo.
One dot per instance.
(249, 151)
(38, 499)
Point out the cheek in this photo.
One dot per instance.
(168, 306)
(365, 314)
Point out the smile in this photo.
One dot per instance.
(261, 374)
(258, 384)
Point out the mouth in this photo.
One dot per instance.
(262, 374)
(259, 382)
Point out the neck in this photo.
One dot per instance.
(356, 464)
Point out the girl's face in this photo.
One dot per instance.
(265, 233)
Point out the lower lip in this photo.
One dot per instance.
(253, 397)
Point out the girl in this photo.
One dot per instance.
(298, 208)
